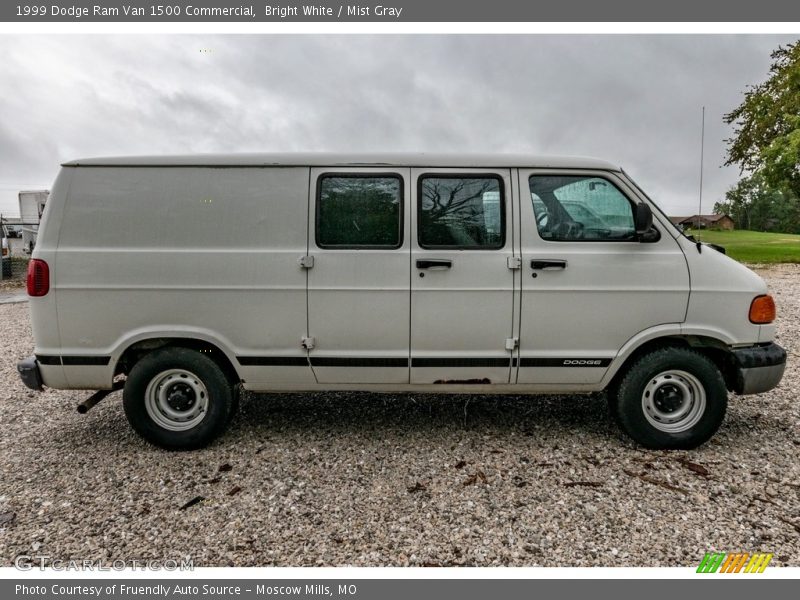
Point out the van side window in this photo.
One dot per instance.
(359, 211)
(571, 208)
(461, 212)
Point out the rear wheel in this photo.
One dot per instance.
(671, 398)
(177, 398)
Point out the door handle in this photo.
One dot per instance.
(437, 264)
(548, 264)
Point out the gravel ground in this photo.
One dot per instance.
(373, 479)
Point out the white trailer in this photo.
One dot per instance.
(31, 207)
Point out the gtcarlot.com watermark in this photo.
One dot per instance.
(26, 562)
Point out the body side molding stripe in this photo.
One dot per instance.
(273, 361)
(95, 361)
(352, 361)
(73, 361)
(48, 359)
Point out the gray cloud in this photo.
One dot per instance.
(634, 100)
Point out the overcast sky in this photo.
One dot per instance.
(633, 100)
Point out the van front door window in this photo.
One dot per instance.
(581, 208)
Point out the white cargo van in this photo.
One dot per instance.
(188, 276)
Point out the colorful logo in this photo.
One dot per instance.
(741, 562)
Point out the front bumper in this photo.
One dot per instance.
(30, 374)
(758, 369)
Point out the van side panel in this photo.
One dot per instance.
(206, 253)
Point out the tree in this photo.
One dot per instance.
(767, 124)
(753, 204)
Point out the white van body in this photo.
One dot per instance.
(222, 255)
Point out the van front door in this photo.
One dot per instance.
(462, 289)
(588, 284)
(358, 284)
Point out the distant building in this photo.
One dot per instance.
(704, 222)
(678, 221)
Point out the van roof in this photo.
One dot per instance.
(348, 160)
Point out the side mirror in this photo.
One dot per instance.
(643, 218)
(643, 221)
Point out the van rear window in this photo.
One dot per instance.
(358, 211)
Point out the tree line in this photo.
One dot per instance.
(766, 147)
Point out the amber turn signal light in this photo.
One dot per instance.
(762, 310)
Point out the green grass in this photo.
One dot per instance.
(754, 246)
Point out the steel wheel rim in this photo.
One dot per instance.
(673, 401)
(176, 399)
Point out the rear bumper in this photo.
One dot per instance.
(758, 369)
(29, 372)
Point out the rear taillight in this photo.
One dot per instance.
(762, 310)
(38, 277)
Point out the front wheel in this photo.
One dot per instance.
(671, 398)
(177, 398)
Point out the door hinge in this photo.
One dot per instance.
(307, 342)
(306, 262)
(512, 343)
(514, 262)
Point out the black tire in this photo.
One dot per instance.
(208, 377)
(636, 408)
